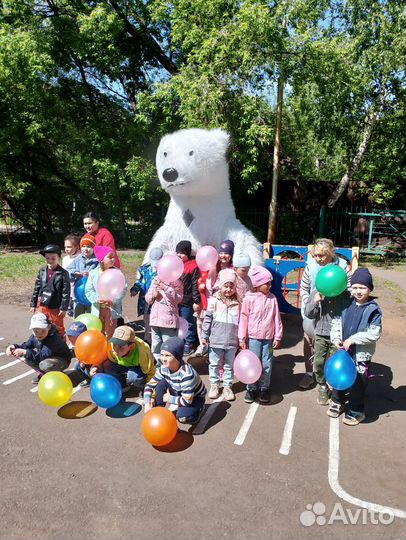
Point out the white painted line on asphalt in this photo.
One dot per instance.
(287, 432)
(205, 419)
(25, 374)
(13, 363)
(333, 465)
(2, 353)
(246, 424)
(1, 338)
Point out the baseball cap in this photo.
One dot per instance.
(76, 328)
(39, 320)
(123, 335)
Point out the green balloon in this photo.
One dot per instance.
(331, 280)
(91, 321)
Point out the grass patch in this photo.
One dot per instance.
(14, 266)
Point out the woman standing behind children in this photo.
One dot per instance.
(357, 330)
(164, 316)
(107, 311)
(220, 331)
(261, 323)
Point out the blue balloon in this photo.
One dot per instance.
(340, 370)
(79, 290)
(105, 390)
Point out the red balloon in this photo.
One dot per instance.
(159, 426)
(91, 347)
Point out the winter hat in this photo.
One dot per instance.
(175, 346)
(227, 275)
(185, 247)
(101, 251)
(50, 248)
(362, 276)
(76, 328)
(39, 320)
(155, 254)
(241, 260)
(259, 276)
(88, 240)
(227, 247)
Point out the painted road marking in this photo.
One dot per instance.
(333, 465)
(25, 374)
(1, 338)
(205, 419)
(13, 363)
(287, 432)
(246, 424)
(76, 389)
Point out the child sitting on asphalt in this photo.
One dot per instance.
(129, 359)
(52, 288)
(44, 350)
(176, 384)
(81, 266)
(220, 332)
(261, 323)
(356, 330)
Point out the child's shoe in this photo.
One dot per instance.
(187, 350)
(335, 409)
(85, 383)
(264, 396)
(228, 394)
(250, 396)
(214, 391)
(323, 395)
(307, 381)
(36, 379)
(353, 418)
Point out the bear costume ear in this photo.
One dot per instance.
(221, 137)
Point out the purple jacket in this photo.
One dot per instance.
(164, 310)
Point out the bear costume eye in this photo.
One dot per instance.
(191, 153)
(165, 154)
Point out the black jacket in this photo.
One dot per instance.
(56, 293)
(189, 278)
(50, 347)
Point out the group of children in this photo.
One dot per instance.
(227, 309)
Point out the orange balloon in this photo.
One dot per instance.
(91, 347)
(159, 426)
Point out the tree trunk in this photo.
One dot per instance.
(352, 169)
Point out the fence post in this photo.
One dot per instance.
(322, 221)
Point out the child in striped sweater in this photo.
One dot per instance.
(176, 383)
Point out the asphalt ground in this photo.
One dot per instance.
(81, 472)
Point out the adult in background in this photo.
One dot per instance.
(91, 223)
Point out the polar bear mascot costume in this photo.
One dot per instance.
(192, 168)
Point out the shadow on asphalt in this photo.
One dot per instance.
(292, 330)
(124, 410)
(181, 442)
(381, 397)
(284, 381)
(75, 410)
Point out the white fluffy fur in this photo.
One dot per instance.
(201, 209)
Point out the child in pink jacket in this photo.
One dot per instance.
(164, 317)
(260, 322)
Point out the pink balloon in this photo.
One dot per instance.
(183, 328)
(169, 268)
(247, 367)
(206, 258)
(111, 284)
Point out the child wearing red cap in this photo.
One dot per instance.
(261, 323)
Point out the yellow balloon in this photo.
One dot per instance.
(55, 389)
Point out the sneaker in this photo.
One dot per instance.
(264, 396)
(353, 418)
(187, 350)
(307, 381)
(36, 379)
(335, 409)
(228, 394)
(214, 391)
(250, 396)
(200, 351)
(324, 395)
(85, 383)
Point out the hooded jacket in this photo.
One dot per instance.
(53, 346)
(165, 311)
(220, 323)
(260, 317)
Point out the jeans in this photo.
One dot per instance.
(125, 374)
(190, 412)
(215, 357)
(84, 371)
(356, 394)
(49, 364)
(263, 349)
(187, 313)
(158, 336)
(323, 348)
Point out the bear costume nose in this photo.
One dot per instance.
(170, 175)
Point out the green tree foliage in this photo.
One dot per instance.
(88, 88)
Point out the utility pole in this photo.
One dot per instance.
(273, 207)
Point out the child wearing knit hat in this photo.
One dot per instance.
(356, 330)
(260, 329)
